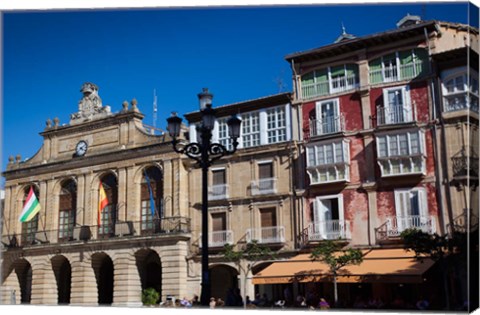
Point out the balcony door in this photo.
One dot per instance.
(397, 107)
(265, 176)
(219, 229)
(328, 217)
(327, 117)
(411, 209)
(268, 222)
(219, 184)
(109, 215)
(67, 210)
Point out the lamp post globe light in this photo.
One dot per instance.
(204, 152)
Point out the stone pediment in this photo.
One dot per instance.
(90, 106)
(103, 132)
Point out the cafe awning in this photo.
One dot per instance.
(379, 265)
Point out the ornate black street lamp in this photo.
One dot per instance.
(205, 153)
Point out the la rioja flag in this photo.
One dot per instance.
(30, 208)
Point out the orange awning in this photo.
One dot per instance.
(379, 265)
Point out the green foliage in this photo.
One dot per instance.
(253, 252)
(424, 244)
(335, 257)
(150, 296)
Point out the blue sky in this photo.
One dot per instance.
(237, 52)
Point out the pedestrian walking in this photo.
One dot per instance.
(212, 302)
(323, 305)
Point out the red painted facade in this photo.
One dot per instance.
(355, 201)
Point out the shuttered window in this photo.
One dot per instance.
(219, 221)
(268, 217)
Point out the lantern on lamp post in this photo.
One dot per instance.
(204, 152)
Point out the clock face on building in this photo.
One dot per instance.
(81, 148)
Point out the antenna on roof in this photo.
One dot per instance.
(280, 82)
(154, 108)
(343, 29)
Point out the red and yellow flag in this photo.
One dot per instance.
(102, 202)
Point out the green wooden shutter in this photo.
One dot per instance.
(351, 69)
(421, 59)
(375, 67)
(337, 71)
(407, 69)
(307, 78)
(321, 77)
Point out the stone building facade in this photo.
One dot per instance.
(379, 135)
(252, 194)
(71, 254)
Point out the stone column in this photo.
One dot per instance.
(364, 90)
(51, 213)
(43, 199)
(372, 213)
(168, 187)
(10, 290)
(84, 289)
(80, 215)
(9, 216)
(89, 201)
(127, 289)
(174, 269)
(122, 189)
(44, 285)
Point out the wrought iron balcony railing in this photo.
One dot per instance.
(219, 238)
(264, 186)
(394, 226)
(218, 192)
(329, 230)
(266, 235)
(119, 229)
(327, 125)
(387, 115)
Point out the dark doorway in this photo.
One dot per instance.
(23, 269)
(103, 267)
(223, 278)
(63, 276)
(150, 270)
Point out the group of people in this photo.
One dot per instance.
(233, 299)
(310, 301)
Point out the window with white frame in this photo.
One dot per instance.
(401, 153)
(261, 127)
(251, 129)
(266, 183)
(223, 135)
(397, 66)
(411, 210)
(460, 90)
(397, 106)
(328, 162)
(218, 189)
(327, 120)
(328, 219)
(329, 80)
(276, 125)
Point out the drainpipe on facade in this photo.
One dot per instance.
(293, 168)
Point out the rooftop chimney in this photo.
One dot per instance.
(408, 20)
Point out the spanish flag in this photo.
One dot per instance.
(102, 202)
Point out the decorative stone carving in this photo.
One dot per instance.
(90, 106)
(125, 106)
